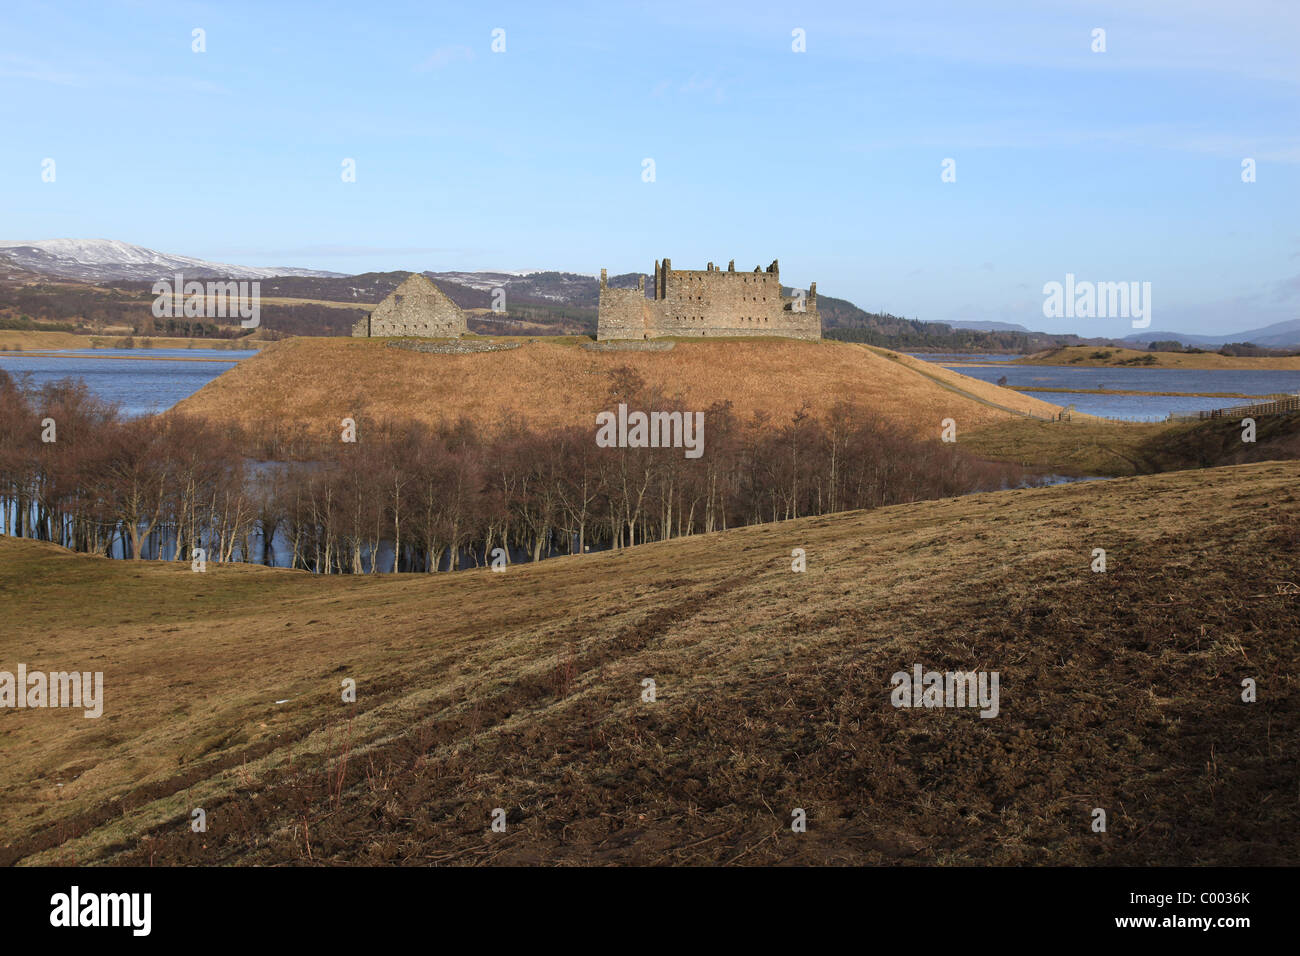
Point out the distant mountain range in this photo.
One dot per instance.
(1275, 336)
(565, 299)
(99, 260)
(1279, 335)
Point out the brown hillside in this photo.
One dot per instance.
(522, 690)
(315, 382)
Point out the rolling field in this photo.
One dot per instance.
(523, 691)
(1095, 447)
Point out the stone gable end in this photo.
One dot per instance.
(417, 308)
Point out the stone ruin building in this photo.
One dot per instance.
(707, 302)
(417, 307)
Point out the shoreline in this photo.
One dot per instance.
(27, 353)
(1126, 391)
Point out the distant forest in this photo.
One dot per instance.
(892, 332)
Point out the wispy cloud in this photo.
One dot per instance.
(444, 57)
(1253, 39)
(1287, 289)
(1279, 148)
(26, 68)
(341, 250)
(706, 87)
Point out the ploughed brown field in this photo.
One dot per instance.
(306, 386)
(523, 690)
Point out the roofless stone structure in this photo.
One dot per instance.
(417, 307)
(708, 302)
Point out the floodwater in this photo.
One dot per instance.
(140, 386)
(1259, 384)
(157, 380)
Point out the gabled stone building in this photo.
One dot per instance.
(708, 302)
(417, 307)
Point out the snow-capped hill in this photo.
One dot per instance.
(482, 281)
(108, 259)
(535, 284)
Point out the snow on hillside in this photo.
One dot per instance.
(108, 259)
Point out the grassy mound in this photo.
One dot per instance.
(310, 384)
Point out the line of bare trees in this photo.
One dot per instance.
(408, 497)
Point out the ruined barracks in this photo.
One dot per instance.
(708, 302)
(417, 307)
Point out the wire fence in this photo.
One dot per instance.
(1281, 405)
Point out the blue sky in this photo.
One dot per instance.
(1115, 166)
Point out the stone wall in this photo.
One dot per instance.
(633, 345)
(471, 347)
(624, 313)
(416, 307)
(708, 302)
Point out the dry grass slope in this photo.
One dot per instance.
(1084, 446)
(522, 690)
(318, 381)
(1083, 355)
